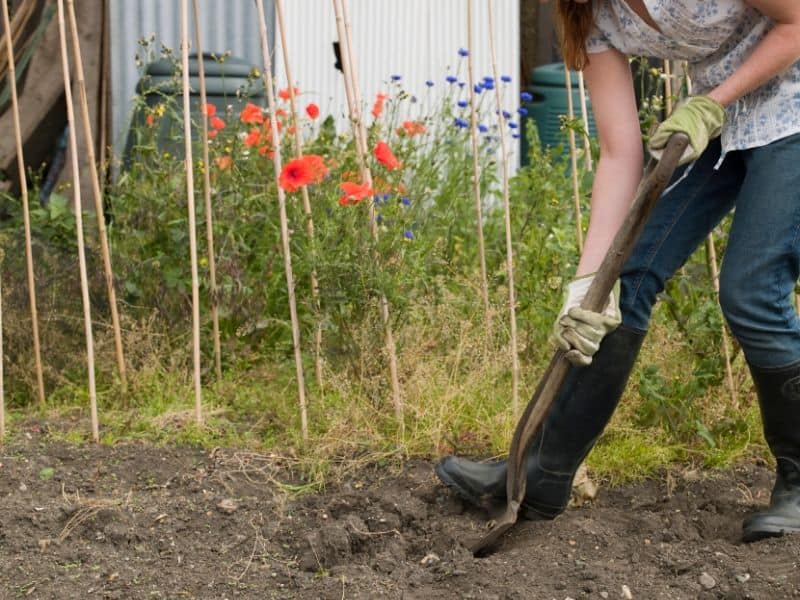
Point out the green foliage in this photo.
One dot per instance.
(455, 370)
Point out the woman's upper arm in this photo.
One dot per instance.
(610, 84)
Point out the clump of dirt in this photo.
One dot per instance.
(137, 521)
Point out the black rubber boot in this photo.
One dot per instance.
(779, 399)
(576, 419)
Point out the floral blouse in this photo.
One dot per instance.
(715, 37)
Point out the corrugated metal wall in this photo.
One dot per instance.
(418, 39)
(225, 25)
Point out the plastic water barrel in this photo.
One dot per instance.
(231, 82)
(549, 104)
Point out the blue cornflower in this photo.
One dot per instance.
(482, 128)
(512, 125)
(463, 103)
(522, 110)
(488, 78)
(515, 136)
(385, 198)
(463, 52)
(506, 114)
(379, 218)
(460, 123)
(505, 78)
(408, 234)
(451, 79)
(478, 88)
(488, 84)
(461, 84)
(526, 97)
(406, 201)
(376, 200)
(396, 77)
(429, 83)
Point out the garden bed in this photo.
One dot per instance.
(139, 521)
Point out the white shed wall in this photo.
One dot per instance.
(418, 39)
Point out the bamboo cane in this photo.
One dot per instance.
(587, 144)
(714, 271)
(573, 154)
(476, 174)
(26, 217)
(349, 68)
(726, 347)
(668, 86)
(78, 209)
(512, 303)
(187, 140)
(2, 376)
(212, 263)
(287, 257)
(105, 78)
(98, 194)
(298, 145)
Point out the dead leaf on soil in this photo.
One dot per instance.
(583, 488)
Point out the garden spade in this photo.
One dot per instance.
(657, 176)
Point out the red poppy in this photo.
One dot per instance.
(211, 110)
(224, 162)
(302, 171)
(354, 192)
(317, 165)
(266, 151)
(212, 134)
(385, 156)
(284, 94)
(312, 110)
(150, 119)
(253, 137)
(217, 123)
(280, 113)
(377, 108)
(251, 114)
(411, 128)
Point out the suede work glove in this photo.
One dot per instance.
(578, 331)
(700, 117)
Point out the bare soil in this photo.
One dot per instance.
(137, 521)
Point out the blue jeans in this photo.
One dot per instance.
(762, 260)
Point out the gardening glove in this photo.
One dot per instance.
(579, 331)
(700, 117)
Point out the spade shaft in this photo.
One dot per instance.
(657, 176)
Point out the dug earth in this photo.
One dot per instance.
(138, 521)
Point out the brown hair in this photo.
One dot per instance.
(574, 22)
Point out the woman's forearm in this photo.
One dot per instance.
(615, 184)
(779, 50)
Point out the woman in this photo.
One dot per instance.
(743, 59)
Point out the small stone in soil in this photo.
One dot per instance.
(429, 559)
(626, 593)
(707, 581)
(227, 506)
(743, 577)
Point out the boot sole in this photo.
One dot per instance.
(462, 493)
(767, 531)
(525, 512)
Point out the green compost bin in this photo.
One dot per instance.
(230, 83)
(549, 104)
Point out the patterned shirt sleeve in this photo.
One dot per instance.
(597, 41)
